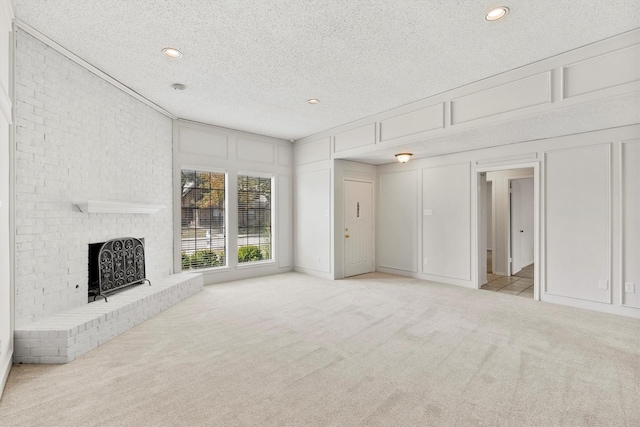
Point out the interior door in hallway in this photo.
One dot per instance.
(358, 227)
(521, 223)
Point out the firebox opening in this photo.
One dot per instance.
(115, 265)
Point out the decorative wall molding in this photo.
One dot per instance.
(503, 98)
(515, 158)
(314, 151)
(203, 143)
(250, 150)
(601, 72)
(629, 248)
(591, 166)
(592, 73)
(365, 135)
(417, 121)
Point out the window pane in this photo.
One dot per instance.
(254, 218)
(202, 220)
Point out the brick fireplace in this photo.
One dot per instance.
(80, 138)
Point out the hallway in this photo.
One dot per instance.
(520, 284)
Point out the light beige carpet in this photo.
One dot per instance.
(376, 350)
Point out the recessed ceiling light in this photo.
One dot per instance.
(312, 101)
(172, 52)
(179, 86)
(496, 13)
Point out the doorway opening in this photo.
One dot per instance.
(507, 228)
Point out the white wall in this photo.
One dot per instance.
(6, 202)
(79, 138)
(578, 222)
(397, 222)
(446, 224)
(582, 230)
(584, 97)
(319, 205)
(630, 230)
(314, 208)
(203, 147)
(427, 204)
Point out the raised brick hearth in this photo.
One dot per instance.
(63, 337)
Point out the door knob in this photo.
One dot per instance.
(346, 236)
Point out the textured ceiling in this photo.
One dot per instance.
(251, 65)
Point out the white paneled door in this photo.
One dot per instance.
(358, 227)
(521, 223)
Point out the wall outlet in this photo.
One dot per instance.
(603, 284)
(629, 287)
(424, 261)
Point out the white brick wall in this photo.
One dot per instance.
(79, 138)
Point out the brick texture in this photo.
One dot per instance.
(80, 138)
(66, 335)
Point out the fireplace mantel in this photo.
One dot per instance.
(104, 206)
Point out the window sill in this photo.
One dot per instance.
(243, 266)
(256, 264)
(208, 270)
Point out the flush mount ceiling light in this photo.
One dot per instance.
(172, 52)
(403, 157)
(179, 86)
(496, 13)
(313, 101)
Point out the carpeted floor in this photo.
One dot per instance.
(375, 350)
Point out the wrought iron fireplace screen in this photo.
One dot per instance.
(120, 264)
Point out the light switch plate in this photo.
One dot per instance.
(603, 284)
(629, 287)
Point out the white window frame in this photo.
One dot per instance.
(201, 168)
(273, 241)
